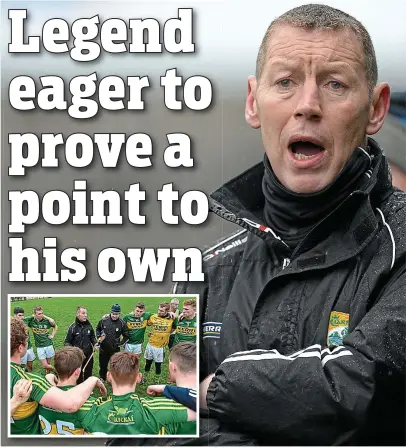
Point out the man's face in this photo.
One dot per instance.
(39, 315)
(188, 311)
(82, 315)
(114, 316)
(162, 311)
(19, 316)
(174, 306)
(138, 311)
(313, 88)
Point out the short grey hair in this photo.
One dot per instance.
(323, 17)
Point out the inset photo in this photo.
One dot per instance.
(103, 366)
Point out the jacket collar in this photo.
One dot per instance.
(241, 201)
(78, 322)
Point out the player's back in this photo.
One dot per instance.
(130, 414)
(61, 423)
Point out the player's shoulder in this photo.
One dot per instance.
(159, 404)
(89, 403)
(102, 401)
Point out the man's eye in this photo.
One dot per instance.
(284, 83)
(335, 85)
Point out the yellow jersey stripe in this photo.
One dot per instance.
(25, 410)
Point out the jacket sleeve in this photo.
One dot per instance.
(182, 395)
(92, 335)
(69, 335)
(99, 329)
(316, 395)
(124, 333)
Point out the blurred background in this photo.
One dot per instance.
(227, 35)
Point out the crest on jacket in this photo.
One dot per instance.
(337, 328)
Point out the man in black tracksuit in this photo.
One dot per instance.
(112, 333)
(303, 309)
(81, 334)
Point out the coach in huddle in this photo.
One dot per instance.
(81, 334)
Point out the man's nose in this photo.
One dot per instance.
(308, 106)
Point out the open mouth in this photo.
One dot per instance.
(305, 150)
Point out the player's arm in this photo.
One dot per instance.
(182, 395)
(71, 400)
(50, 320)
(21, 393)
(55, 329)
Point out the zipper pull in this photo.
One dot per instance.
(286, 263)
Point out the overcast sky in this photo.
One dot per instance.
(228, 33)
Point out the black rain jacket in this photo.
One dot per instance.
(114, 330)
(81, 334)
(308, 346)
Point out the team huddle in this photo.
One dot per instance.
(61, 400)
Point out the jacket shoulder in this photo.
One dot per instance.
(214, 254)
(71, 326)
(225, 246)
(394, 213)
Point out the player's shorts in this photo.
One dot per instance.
(154, 353)
(133, 348)
(45, 352)
(29, 356)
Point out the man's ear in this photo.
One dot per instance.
(379, 108)
(251, 109)
(139, 377)
(109, 377)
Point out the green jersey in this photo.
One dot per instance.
(188, 428)
(185, 330)
(40, 331)
(25, 418)
(132, 415)
(61, 423)
(136, 327)
(29, 336)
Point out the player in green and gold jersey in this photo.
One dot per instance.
(24, 419)
(68, 366)
(124, 412)
(185, 328)
(158, 338)
(136, 322)
(43, 340)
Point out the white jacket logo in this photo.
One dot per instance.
(235, 243)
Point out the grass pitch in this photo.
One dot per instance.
(63, 311)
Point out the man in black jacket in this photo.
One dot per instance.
(81, 334)
(112, 333)
(303, 309)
